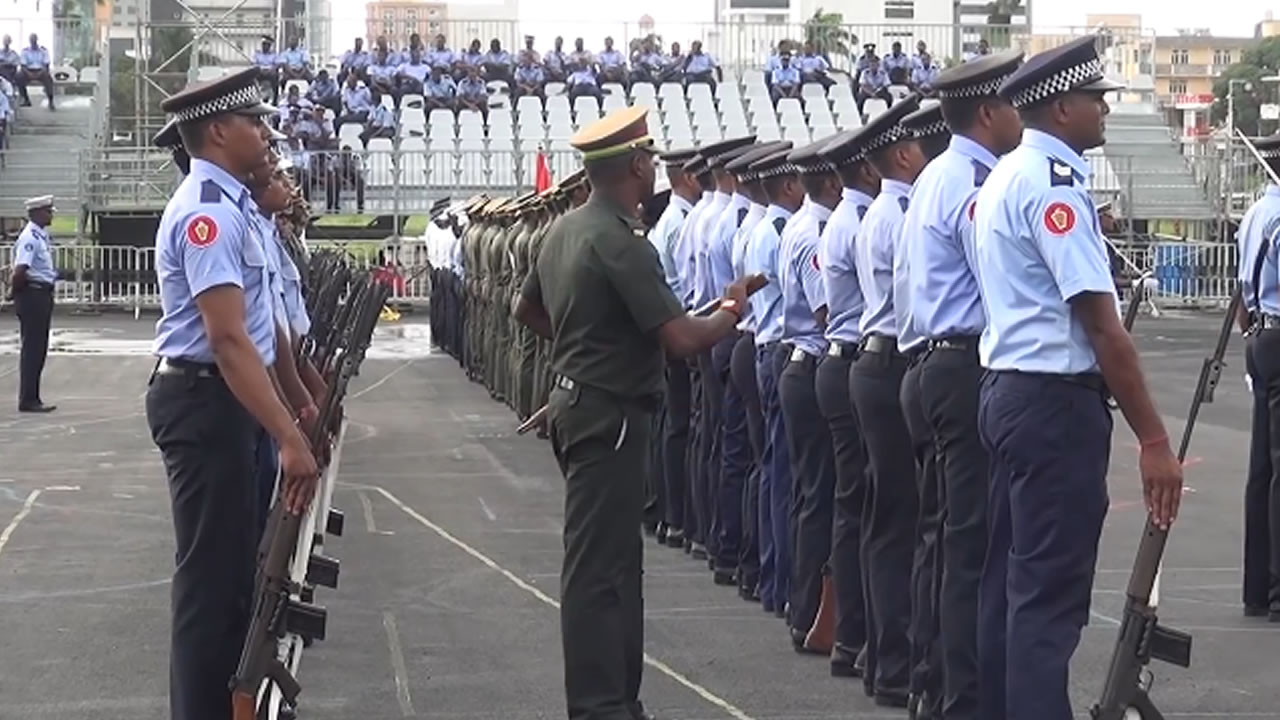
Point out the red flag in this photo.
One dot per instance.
(542, 176)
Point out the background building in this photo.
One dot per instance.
(459, 22)
(1189, 62)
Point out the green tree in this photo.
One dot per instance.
(829, 37)
(1243, 82)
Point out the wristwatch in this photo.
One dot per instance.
(731, 305)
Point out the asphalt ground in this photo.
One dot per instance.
(446, 603)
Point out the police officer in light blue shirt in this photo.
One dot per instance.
(1259, 227)
(34, 67)
(785, 195)
(874, 384)
(940, 393)
(729, 455)
(677, 408)
(784, 80)
(686, 247)
(354, 62)
(804, 318)
(32, 286)
(930, 133)
(1053, 346)
(211, 388)
(700, 67)
(845, 306)
(742, 392)
(1259, 236)
(612, 64)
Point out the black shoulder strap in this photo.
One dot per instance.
(742, 215)
(779, 223)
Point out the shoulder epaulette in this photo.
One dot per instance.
(980, 173)
(210, 192)
(862, 211)
(903, 202)
(1060, 174)
(778, 224)
(742, 215)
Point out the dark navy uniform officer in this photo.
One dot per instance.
(875, 380)
(947, 311)
(1054, 346)
(845, 306)
(1261, 231)
(32, 283)
(1261, 528)
(597, 291)
(211, 389)
(804, 319)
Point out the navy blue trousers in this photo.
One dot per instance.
(775, 489)
(735, 461)
(1049, 438)
(266, 460)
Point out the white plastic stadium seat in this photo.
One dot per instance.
(206, 73)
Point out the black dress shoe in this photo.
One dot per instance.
(723, 577)
(651, 528)
(890, 698)
(660, 534)
(638, 712)
(1255, 611)
(844, 662)
(675, 538)
(698, 551)
(37, 408)
(749, 593)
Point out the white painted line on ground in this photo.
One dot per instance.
(724, 705)
(63, 488)
(487, 512)
(397, 665)
(17, 519)
(368, 513)
(379, 383)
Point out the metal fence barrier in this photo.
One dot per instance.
(1188, 274)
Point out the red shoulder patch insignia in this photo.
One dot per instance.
(1059, 218)
(973, 208)
(202, 231)
(816, 266)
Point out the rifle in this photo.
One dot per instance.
(282, 603)
(711, 306)
(1126, 692)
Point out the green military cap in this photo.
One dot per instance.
(571, 181)
(617, 133)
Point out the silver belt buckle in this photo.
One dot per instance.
(835, 350)
(797, 355)
(564, 383)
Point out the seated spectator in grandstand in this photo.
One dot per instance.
(292, 100)
(582, 81)
(415, 43)
(295, 64)
(984, 48)
(924, 74)
(291, 116)
(267, 60)
(355, 61)
(382, 76)
(530, 79)
(344, 170)
(556, 62)
(673, 65)
(581, 55)
(813, 67)
(472, 57)
(357, 101)
(324, 92)
(866, 58)
(785, 80)
(775, 58)
(873, 82)
(315, 130)
(897, 64)
(34, 61)
(498, 63)
(412, 74)
(700, 67)
(440, 92)
(9, 61)
(473, 93)
(380, 44)
(613, 66)
(528, 50)
(441, 56)
(647, 65)
(921, 49)
(301, 169)
(381, 124)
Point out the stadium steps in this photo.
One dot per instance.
(44, 154)
(1147, 158)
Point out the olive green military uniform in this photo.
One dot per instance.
(602, 285)
(473, 274)
(524, 349)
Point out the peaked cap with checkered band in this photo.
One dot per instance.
(926, 122)
(886, 128)
(236, 93)
(809, 159)
(1067, 68)
(977, 78)
(1268, 147)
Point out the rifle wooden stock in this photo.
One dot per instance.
(754, 283)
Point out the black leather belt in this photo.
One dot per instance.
(188, 368)
(842, 350)
(961, 343)
(38, 285)
(1270, 322)
(1093, 381)
(645, 402)
(880, 344)
(798, 355)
